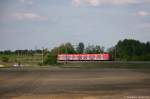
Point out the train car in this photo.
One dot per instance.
(83, 57)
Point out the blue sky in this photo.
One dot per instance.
(26, 24)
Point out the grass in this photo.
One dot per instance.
(23, 59)
(90, 65)
(33, 61)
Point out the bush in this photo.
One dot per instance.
(51, 59)
(40, 64)
(5, 59)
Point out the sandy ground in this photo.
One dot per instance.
(74, 84)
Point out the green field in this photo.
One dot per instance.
(36, 60)
(23, 59)
(107, 64)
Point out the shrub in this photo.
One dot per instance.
(5, 59)
(51, 59)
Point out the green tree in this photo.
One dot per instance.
(51, 58)
(111, 51)
(62, 49)
(69, 49)
(129, 49)
(99, 49)
(80, 48)
(91, 49)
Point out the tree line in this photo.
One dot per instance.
(21, 52)
(124, 50)
(68, 48)
(130, 50)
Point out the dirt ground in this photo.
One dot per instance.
(74, 84)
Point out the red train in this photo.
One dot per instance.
(83, 57)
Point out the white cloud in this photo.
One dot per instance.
(30, 2)
(28, 16)
(146, 25)
(93, 2)
(142, 13)
(107, 2)
(76, 2)
(143, 25)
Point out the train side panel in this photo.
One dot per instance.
(83, 57)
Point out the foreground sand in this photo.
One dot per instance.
(74, 84)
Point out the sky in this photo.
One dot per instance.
(32, 24)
